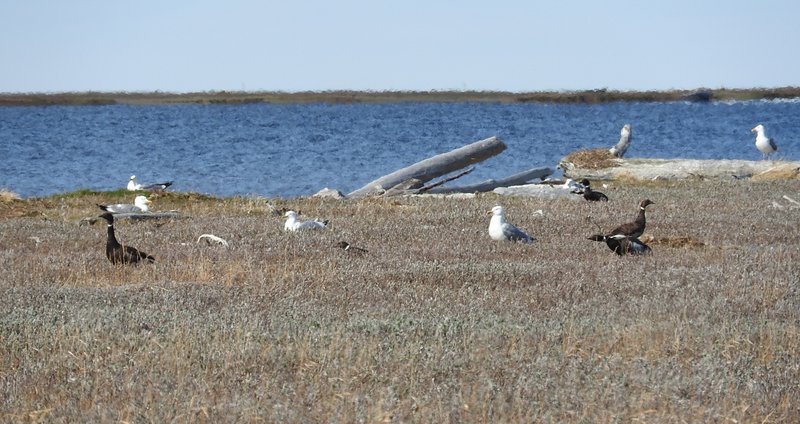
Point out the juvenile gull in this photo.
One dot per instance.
(763, 143)
(134, 186)
(117, 253)
(293, 224)
(139, 205)
(499, 229)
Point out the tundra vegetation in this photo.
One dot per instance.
(435, 323)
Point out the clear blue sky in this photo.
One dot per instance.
(297, 45)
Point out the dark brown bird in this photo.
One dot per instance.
(622, 245)
(591, 195)
(117, 253)
(636, 228)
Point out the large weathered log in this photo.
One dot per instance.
(436, 166)
(136, 216)
(491, 184)
(671, 169)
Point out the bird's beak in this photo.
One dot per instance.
(753, 130)
(489, 212)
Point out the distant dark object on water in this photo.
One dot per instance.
(698, 97)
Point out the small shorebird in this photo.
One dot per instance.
(347, 247)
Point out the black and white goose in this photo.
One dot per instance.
(134, 186)
(118, 253)
(623, 245)
(636, 228)
(591, 195)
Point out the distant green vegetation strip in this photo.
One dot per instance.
(243, 97)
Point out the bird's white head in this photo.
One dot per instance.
(497, 211)
(626, 130)
(291, 214)
(133, 177)
(758, 128)
(141, 200)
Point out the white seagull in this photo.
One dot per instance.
(499, 229)
(292, 224)
(573, 187)
(139, 205)
(134, 186)
(763, 143)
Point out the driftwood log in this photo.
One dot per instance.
(435, 166)
(619, 149)
(491, 184)
(136, 216)
(674, 169)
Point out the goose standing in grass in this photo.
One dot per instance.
(134, 186)
(623, 245)
(499, 229)
(139, 205)
(591, 195)
(636, 228)
(764, 144)
(293, 224)
(117, 253)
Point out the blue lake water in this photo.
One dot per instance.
(295, 150)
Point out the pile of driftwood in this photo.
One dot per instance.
(608, 164)
(416, 179)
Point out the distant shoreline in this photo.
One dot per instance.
(345, 97)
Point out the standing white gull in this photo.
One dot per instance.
(134, 186)
(763, 143)
(293, 224)
(499, 229)
(139, 205)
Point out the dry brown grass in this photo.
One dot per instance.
(434, 326)
(7, 196)
(779, 172)
(592, 159)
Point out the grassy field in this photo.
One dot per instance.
(436, 323)
(243, 97)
